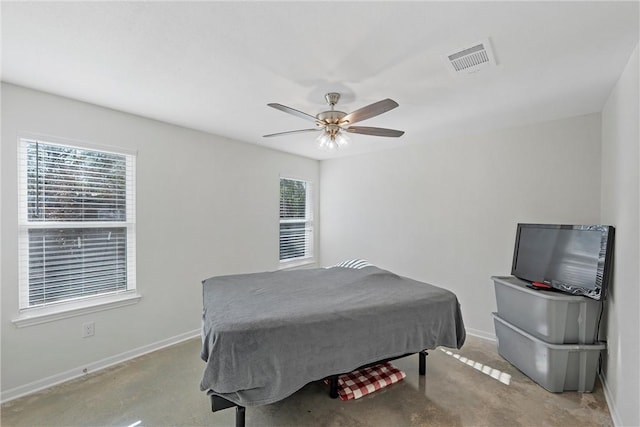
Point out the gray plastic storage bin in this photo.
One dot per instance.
(556, 367)
(554, 317)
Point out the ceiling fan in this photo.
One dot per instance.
(333, 123)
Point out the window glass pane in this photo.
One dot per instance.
(76, 262)
(293, 199)
(293, 240)
(73, 184)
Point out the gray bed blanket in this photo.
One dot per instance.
(266, 335)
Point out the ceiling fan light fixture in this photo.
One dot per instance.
(332, 140)
(325, 142)
(341, 139)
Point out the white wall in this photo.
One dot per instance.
(620, 194)
(446, 212)
(206, 206)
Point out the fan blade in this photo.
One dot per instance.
(291, 132)
(369, 111)
(293, 111)
(365, 130)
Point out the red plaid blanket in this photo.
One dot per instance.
(359, 383)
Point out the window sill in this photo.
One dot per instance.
(286, 265)
(37, 316)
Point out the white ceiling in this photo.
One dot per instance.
(213, 66)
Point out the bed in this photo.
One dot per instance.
(266, 335)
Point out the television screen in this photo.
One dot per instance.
(570, 258)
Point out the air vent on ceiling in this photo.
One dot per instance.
(471, 59)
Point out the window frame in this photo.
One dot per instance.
(49, 311)
(309, 257)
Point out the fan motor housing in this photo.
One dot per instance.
(331, 116)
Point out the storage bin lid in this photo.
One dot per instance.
(521, 285)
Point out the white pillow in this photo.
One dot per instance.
(354, 263)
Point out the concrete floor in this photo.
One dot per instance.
(161, 389)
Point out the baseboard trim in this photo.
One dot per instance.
(610, 401)
(481, 334)
(78, 372)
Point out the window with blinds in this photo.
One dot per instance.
(76, 221)
(296, 227)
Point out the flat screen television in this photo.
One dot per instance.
(575, 259)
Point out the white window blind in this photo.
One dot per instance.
(76, 223)
(296, 226)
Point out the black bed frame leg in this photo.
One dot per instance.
(333, 386)
(240, 416)
(422, 362)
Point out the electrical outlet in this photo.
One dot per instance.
(88, 329)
